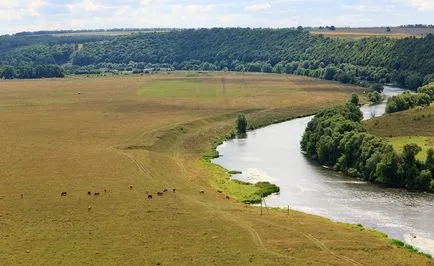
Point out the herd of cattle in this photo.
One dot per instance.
(96, 194)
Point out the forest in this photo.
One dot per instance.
(336, 138)
(407, 62)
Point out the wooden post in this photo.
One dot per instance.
(261, 204)
(288, 209)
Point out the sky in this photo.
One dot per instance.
(32, 15)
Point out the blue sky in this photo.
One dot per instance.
(31, 15)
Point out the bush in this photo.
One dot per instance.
(266, 188)
(241, 124)
(374, 97)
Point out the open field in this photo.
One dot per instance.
(82, 134)
(358, 33)
(412, 126)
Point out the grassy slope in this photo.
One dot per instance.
(358, 33)
(108, 137)
(413, 126)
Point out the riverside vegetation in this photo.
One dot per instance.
(335, 137)
(407, 100)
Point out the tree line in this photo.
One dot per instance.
(407, 100)
(336, 138)
(408, 62)
(32, 72)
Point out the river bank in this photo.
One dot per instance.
(310, 188)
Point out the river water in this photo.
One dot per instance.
(273, 154)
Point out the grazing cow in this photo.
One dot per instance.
(63, 194)
(96, 194)
(202, 192)
(131, 187)
(89, 193)
(219, 191)
(160, 193)
(174, 190)
(165, 190)
(227, 197)
(149, 196)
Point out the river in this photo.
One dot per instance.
(273, 154)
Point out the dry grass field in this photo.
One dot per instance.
(359, 33)
(105, 134)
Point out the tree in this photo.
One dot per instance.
(354, 99)
(8, 73)
(388, 29)
(423, 180)
(374, 97)
(409, 163)
(377, 87)
(300, 28)
(429, 163)
(241, 124)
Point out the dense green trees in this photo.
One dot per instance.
(374, 97)
(408, 62)
(428, 89)
(407, 101)
(32, 72)
(336, 138)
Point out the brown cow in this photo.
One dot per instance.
(202, 192)
(63, 194)
(149, 196)
(160, 193)
(96, 194)
(174, 190)
(89, 193)
(165, 190)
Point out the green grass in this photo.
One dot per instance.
(425, 142)
(408, 248)
(234, 172)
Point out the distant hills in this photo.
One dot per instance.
(407, 61)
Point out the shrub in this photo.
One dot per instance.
(241, 124)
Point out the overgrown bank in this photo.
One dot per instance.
(242, 191)
(336, 138)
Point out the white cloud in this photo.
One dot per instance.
(18, 9)
(258, 7)
(145, 2)
(423, 5)
(84, 5)
(192, 8)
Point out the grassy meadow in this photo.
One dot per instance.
(359, 33)
(129, 136)
(412, 126)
